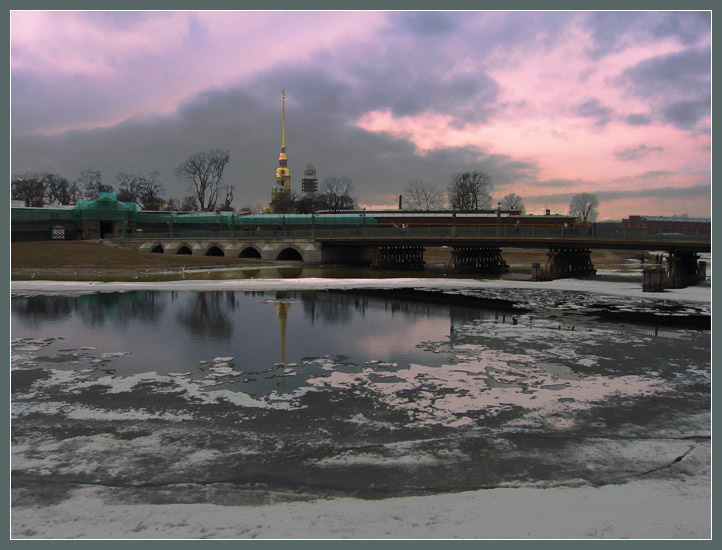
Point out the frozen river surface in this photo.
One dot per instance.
(233, 398)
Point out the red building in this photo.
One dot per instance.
(660, 222)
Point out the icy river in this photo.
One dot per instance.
(258, 396)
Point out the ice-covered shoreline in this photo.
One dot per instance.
(631, 289)
(643, 509)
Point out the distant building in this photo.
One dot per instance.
(666, 222)
(309, 183)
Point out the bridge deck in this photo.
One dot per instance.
(694, 240)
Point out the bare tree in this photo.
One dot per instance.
(146, 189)
(189, 204)
(584, 207)
(202, 172)
(57, 189)
(423, 196)
(128, 187)
(285, 203)
(172, 204)
(512, 201)
(226, 206)
(90, 184)
(470, 191)
(151, 191)
(307, 204)
(335, 194)
(29, 188)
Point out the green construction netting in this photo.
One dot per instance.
(106, 206)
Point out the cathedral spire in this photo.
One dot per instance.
(283, 123)
(281, 192)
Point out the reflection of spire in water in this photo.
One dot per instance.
(282, 308)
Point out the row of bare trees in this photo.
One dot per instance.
(335, 194)
(201, 172)
(467, 191)
(51, 189)
(471, 191)
(46, 188)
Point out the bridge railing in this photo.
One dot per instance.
(471, 232)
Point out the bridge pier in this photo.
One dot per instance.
(684, 269)
(564, 262)
(407, 257)
(654, 279)
(484, 259)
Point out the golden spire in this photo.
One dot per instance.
(283, 123)
(282, 189)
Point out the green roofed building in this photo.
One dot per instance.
(90, 219)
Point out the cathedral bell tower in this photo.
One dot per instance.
(281, 192)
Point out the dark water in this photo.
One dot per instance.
(258, 396)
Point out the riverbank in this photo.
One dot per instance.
(104, 261)
(643, 509)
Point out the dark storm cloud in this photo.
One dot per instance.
(691, 192)
(425, 23)
(40, 105)
(676, 85)
(686, 114)
(592, 108)
(247, 122)
(638, 119)
(674, 73)
(636, 153)
(502, 32)
(560, 183)
(613, 31)
(408, 85)
(656, 174)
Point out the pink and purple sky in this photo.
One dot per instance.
(550, 104)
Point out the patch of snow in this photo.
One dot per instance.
(643, 509)
(697, 293)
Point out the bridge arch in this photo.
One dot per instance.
(184, 249)
(250, 252)
(214, 250)
(157, 249)
(290, 254)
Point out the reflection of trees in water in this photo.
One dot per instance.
(121, 307)
(338, 307)
(94, 309)
(331, 307)
(231, 300)
(205, 315)
(38, 309)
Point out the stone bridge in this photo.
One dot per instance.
(471, 249)
(305, 250)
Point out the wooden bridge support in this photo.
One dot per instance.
(654, 279)
(564, 262)
(484, 259)
(684, 269)
(407, 257)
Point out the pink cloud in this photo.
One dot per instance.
(70, 43)
(172, 56)
(539, 121)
